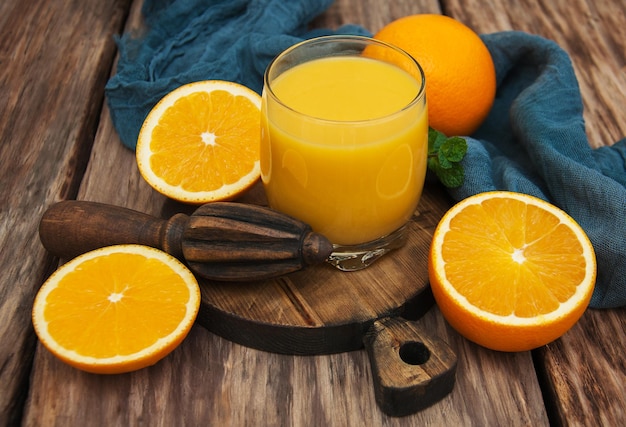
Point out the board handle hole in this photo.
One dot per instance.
(414, 353)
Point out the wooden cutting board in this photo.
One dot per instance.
(322, 310)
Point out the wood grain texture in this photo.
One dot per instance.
(224, 241)
(54, 60)
(412, 370)
(209, 380)
(372, 14)
(584, 372)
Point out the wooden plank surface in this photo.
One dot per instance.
(209, 380)
(54, 59)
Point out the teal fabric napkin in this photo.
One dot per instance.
(533, 141)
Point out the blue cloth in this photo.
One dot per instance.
(191, 40)
(533, 141)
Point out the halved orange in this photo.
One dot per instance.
(116, 309)
(201, 142)
(509, 271)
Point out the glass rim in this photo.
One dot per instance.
(421, 93)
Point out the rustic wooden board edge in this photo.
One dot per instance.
(300, 340)
(412, 368)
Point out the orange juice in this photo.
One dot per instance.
(344, 143)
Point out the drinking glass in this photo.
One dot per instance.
(344, 142)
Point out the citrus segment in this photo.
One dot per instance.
(459, 69)
(510, 271)
(116, 309)
(201, 142)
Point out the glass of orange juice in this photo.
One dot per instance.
(344, 142)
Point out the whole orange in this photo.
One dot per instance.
(459, 70)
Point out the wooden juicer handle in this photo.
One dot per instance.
(219, 241)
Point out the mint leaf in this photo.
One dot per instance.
(452, 177)
(454, 149)
(444, 162)
(435, 140)
(444, 157)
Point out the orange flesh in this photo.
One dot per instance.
(129, 304)
(214, 149)
(510, 258)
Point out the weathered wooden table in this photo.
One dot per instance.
(57, 143)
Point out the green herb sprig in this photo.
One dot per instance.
(444, 157)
